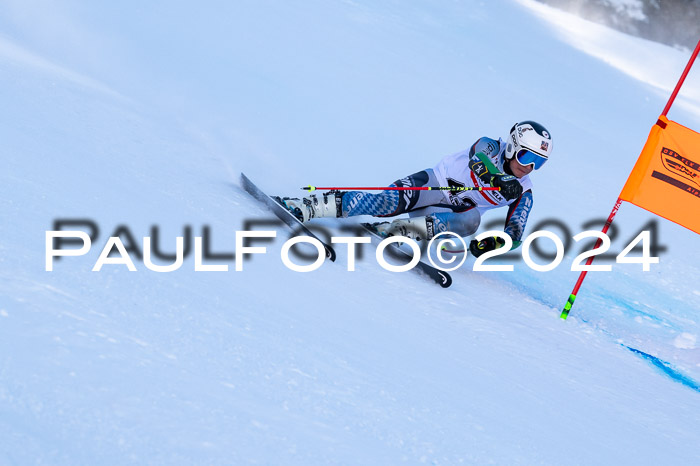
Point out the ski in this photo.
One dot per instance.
(438, 276)
(282, 213)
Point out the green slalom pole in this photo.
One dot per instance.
(567, 306)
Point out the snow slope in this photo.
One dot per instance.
(144, 114)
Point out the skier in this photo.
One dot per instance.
(488, 163)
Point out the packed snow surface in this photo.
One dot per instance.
(134, 115)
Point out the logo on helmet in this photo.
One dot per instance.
(545, 145)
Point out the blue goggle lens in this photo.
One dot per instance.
(527, 157)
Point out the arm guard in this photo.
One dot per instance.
(517, 217)
(479, 162)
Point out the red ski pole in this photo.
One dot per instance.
(401, 188)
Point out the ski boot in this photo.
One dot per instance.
(306, 208)
(416, 228)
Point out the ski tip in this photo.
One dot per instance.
(330, 253)
(244, 180)
(446, 279)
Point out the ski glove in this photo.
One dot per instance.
(510, 186)
(478, 248)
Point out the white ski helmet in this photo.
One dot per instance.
(530, 143)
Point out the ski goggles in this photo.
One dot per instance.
(526, 157)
